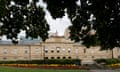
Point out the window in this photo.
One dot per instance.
(26, 50)
(118, 56)
(52, 50)
(63, 50)
(76, 50)
(85, 56)
(25, 58)
(58, 50)
(58, 57)
(46, 50)
(77, 57)
(45, 57)
(92, 56)
(36, 50)
(15, 58)
(64, 57)
(84, 50)
(118, 49)
(92, 51)
(4, 58)
(69, 50)
(5, 51)
(69, 57)
(52, 57)
(15, 51)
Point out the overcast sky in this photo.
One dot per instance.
(59, 24)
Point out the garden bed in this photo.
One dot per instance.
(45, 66)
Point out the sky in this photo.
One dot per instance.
(59, 24)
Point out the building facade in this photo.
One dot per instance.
(56, 47)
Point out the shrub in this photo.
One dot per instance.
(47, 61)
(108, 61)
(63, 61)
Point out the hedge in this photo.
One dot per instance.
(47, 61)
(108, 61)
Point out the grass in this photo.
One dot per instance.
(13, 69)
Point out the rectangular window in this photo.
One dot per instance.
(92, 50)
(15, 58)
(63, 50)
(26, 51)
(4, 58)
(92, 56)
(25, 58)
(84, 50)
(46, 50)
(64, 57)
(118, 49)
(76, 50)
(58, 57)
(5, 50)
(15, 51)
(69, 50)
(58, 49)
(69, 57)
(77, 57)
(36, 50)
(45, 57)
(52, 50)
(52, 58)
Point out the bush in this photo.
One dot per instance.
(108, 61)
(63, 61)
(47, 61)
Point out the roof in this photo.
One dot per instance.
(58, 39)
(22, 42)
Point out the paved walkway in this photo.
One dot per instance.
(101, 70)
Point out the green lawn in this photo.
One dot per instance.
(13, 69)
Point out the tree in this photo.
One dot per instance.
(3, 9)
(99, 16)
(24, 15)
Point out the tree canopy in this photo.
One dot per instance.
(94, 22)
(24, 15)
(3, 9)
(101, 17)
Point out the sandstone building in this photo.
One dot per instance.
(56, 47)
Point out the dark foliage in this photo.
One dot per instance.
(98, 15)
(92, 15)
(108, 61)
(24, 16)
(3, 10)
(54, 61)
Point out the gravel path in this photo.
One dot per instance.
(103, 70)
